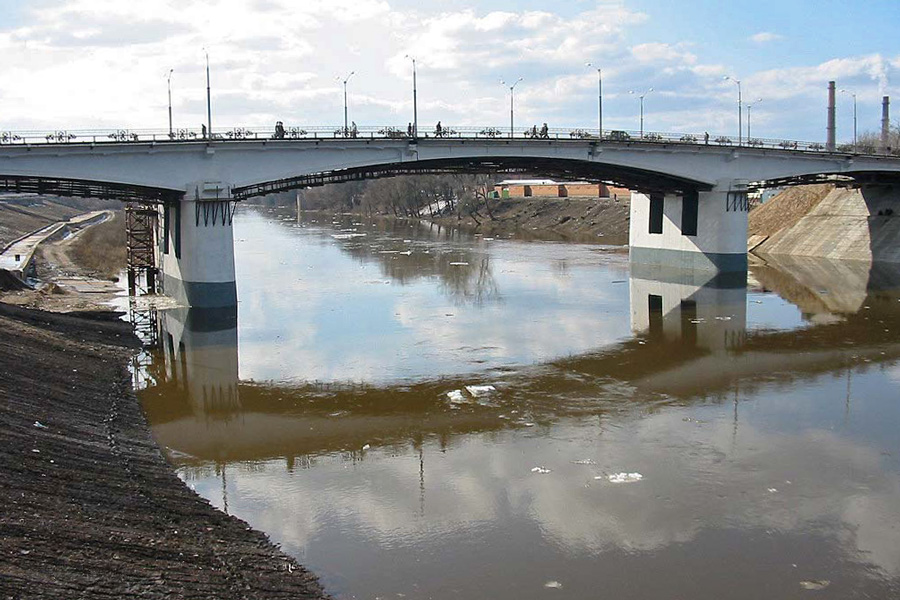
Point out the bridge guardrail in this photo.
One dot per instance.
(393, 132)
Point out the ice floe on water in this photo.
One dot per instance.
(470, 394)
(456, 397)
(540, 470)
(480, 390)
(621, 477)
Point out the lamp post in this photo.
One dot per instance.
(641, 97)
(208, 99)
(599, 101)
(169, 80)
(854, 115)
(511, 105)
(740, 117)
(749, 106)
(415, 108)
(345, 80)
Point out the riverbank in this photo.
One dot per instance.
(578, 219)
(91, 508)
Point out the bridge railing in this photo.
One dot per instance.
(372, 132)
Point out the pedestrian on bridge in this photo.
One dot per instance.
(438, 130)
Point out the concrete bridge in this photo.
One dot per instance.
(689, 209)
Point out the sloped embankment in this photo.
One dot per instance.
(785, 209)
(90, 507)
(838, 223)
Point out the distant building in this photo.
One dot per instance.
(527, 188)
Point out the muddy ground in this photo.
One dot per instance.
(91, 509)
(596, 220)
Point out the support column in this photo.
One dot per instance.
(699, 230)
(197, 248)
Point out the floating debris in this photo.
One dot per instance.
(723, 318)
(480, 390)
(540, 470)
(772, 490)
(40, 425)
(621, 477)
(346, 236)
(456, 397)
(815, 584)
(584, 461)
(459, 264)
(553, 585)
(366, 447)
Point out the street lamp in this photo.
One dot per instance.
(749, 106)
(737, 81)
(511, 96)
(641, 96)
(345, 80)
(854, 115)
(415, 130)
(599, 101)
(169, 79)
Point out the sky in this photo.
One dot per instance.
(85, 64)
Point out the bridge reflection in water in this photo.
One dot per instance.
(429, 476)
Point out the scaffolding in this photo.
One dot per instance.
(140, 228)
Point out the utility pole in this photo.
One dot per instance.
(599, 101)
(740, 102)
(208, 100)
(749, 106)
(415, 107)
(854, 115)
(346, 79)
(169, 78)
(641, 96)
(511, 105)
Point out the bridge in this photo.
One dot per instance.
(689, 208)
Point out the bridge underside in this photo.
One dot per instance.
(632, 178)
(56, 186)
(855, 179)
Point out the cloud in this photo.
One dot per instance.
(655, 52)
(765, 36)
(276, 60)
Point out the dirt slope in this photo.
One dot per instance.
(785, 209)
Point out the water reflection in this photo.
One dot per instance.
(769, 454)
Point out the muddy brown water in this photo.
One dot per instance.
(418, 412)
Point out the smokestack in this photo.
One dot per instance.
(829, 144)
(885, 121)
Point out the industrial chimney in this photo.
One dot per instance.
(829, 144)
(885, 122)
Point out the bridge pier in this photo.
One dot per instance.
(705, 230)
(197, 248)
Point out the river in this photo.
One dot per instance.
(419, 412)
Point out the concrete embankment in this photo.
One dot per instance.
(837, 223)
(90, 507)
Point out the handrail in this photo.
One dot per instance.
(391, 132)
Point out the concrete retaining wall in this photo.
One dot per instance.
(849, 224)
